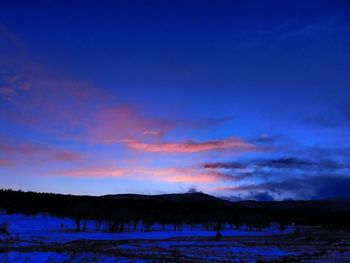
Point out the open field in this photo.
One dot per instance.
(45, 239)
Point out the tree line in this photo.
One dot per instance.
(130, 214)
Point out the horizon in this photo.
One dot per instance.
(243, 100)
(224, 198)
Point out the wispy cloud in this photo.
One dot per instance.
(52, 103)
(165, 174)
(4, 162)
(93, 172)
(183, 175)
(35, 152)
(233, 144)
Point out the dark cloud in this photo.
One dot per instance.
(193, 190)
(253, 195)
(256, 165)
(317, 187)
(324, 174)
(260, 196)
(289, 162)
(284, 163)
(224, 165)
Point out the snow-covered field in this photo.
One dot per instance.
(42, 238)
(55, 257)
(43, 228)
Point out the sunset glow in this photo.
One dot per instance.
(157, 98)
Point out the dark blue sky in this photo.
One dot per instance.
(248, 99)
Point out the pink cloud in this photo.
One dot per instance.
(113, 124)
(4, 162)
(183, 175)
(72, 109)
(153, 133)
(37, 153)
(234, 144)
(167, 174)
(67, 156)
(93, 172)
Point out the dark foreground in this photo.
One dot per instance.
(310, 244)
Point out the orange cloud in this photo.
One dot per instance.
(191, 146)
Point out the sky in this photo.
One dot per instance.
(238, 99)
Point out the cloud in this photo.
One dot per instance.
(263, 169)
(279, 163)
(260, 196)
(193, 190)
(286, 165)
(188, 175)
(252, 195)
(153, 133)
(31, 152)
(92, 172)
(66, 156)
(314, 187)
(287, 162)
(181, 175)
(4, 162)
(224, 165)
(233, 144)
(72, 109)
(289, 188)
(318, 176)
(111, 125)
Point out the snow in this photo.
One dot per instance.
(43, 228)
(209, 249)
(42, 238)
(54, 257)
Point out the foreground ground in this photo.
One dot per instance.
(45, 239)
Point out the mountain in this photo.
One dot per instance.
(326, 205)
(191, 198)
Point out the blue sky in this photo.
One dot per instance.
(243, 99)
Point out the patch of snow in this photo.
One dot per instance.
(54, 257)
